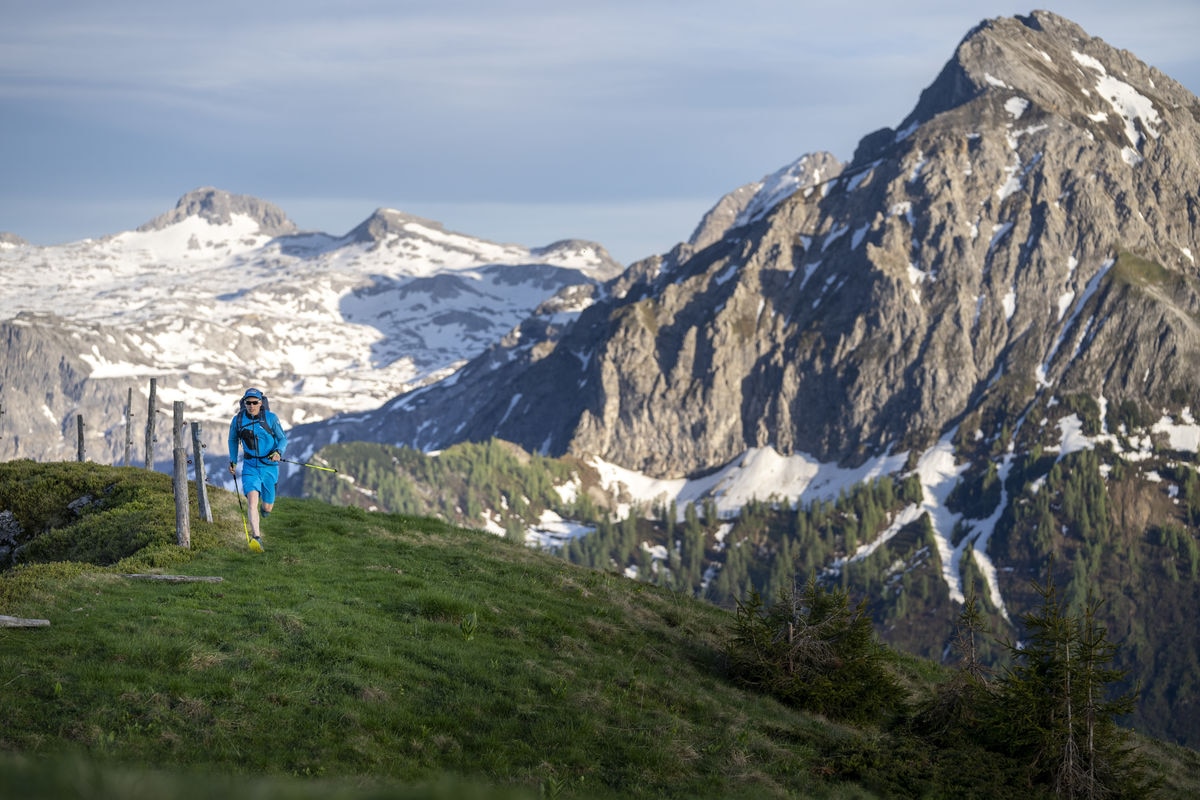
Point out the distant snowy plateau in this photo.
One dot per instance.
(323, 324)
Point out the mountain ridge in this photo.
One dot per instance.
(884, 243)
(223, 292)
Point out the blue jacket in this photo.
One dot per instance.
(259, 437)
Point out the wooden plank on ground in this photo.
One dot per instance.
(175, 578)
(17, 622)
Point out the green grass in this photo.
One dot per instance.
(367, 655)
(346, 650)
(1138, 271)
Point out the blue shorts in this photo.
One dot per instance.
(259, 478)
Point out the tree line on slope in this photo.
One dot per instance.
(1111, 532)
(1045, 725)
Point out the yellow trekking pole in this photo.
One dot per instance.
(306, 464)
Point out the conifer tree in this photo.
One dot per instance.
(693, 553)
(809, 648)
(963, 703)
(1053, 712)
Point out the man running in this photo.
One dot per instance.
(262, 439)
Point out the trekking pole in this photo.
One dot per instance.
(306, 464)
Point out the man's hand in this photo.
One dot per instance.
(233, 469)
(274, 455)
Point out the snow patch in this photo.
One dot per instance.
(552, 531)
(1016, 106)
(1126, 101)
(1009, 301)
(760, 473)
(777, 187)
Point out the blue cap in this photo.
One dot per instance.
(252, 393)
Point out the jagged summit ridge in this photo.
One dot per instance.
(391, 231)
(1057, 67)
(217, 207)
(752, 201)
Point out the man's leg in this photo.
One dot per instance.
(252, 497)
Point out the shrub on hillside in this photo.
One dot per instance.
(85, 512)
(811, 650)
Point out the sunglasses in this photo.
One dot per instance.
(251, 402)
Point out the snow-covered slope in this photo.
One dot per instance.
(208, 303)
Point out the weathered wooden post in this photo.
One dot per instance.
(201, 488)
(183, 530)
(79, 424)
(150, 424)
(128, 427)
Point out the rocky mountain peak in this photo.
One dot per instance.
(218, 207)
(11, 240)
(1057, 67)
(391, 230)
(387, 222)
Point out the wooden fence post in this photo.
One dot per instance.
(150, 424)
(201, 488)
(183, 530)
(128, 427)
(79, 424)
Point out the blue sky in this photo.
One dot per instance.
(524, 121)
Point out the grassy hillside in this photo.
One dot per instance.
(1117, 522)
(369, 655)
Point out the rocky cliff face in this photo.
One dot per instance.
(1029, 230)
(47, 387)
